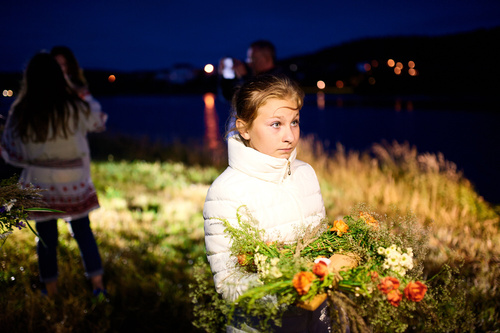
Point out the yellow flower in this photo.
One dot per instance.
(340, 227)
(370, 220)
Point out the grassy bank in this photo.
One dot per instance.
(150, 233)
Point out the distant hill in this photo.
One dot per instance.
(465, 63)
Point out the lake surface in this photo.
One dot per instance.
(470, 139)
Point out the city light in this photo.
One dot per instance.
(339, 84)
(209, 68)
(8, 93)
(391, 63)
(111, 78)
(411, 64)
(321, 84)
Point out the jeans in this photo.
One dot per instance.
(47, 256)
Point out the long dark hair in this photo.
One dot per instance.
(73, 69)
(45, 102)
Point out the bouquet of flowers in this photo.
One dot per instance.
(15, 204)
(369, 270)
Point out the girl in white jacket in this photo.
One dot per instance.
(279, 191)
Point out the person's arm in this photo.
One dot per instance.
(96, 121)
(230, 280)
(12, 150)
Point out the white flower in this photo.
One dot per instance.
(380, 250)
(393, 247)
(10, 204)
(406, 260)
(325, 260)
(394, 254)
(385, 265)
(392, 261)
(400, 270)
(274, 261)
(275, 272)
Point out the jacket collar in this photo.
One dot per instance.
(257, 164)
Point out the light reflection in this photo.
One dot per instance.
(213, 140)
(320, 100)
(397, 105)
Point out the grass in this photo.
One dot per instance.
(150, 233)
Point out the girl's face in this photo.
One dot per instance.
(275, 131)
(62, 62)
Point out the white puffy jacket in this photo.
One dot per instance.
(281, 194)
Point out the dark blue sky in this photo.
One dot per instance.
(133, 35)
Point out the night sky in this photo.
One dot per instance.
(134, 35)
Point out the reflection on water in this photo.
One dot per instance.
(212, 137)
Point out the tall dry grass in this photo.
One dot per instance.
(465, 229)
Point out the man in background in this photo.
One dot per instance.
(261, 59)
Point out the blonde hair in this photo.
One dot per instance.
(255, 92)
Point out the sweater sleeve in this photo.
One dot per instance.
(96, 121)
(230, 280)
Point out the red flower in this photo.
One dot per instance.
(388, 284)
(320, 269)
(415, 291)
(394, 297)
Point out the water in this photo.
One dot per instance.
(469, 139)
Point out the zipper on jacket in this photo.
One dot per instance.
(289, 169)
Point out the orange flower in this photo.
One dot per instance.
(373, 275)
(370, 220)
(415, 291)
(388, 284)
(320, 269)
(242, 259)
(340, 227)
(302, 282)
(394, 297)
